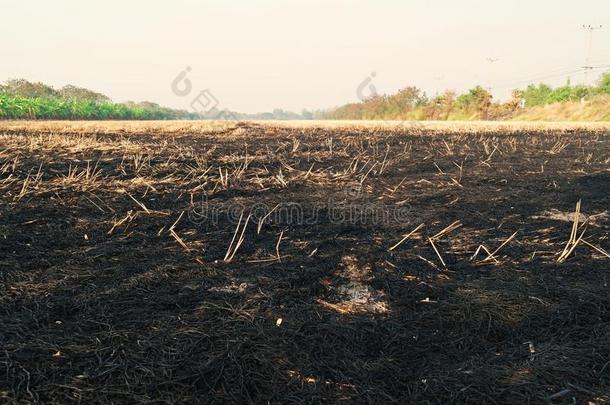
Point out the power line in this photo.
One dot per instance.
(548, 74)
(532, 79)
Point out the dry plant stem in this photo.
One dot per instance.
(598, 249)
(398, 186)
(140, 204)
(572, 247)
(437, 252)
(492, 255)
(482, 247)
(277, 246)
(407, 236)
(232, 250)
(367, 173)
(175, 235)
(262, 220)
(128, 217)
(572, 242)
(451, 227)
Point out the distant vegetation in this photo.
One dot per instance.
(541, 102)
(276, 114)
(22, 99)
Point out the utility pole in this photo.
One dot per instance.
(588, 66)
(491, 64)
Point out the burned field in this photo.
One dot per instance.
(259, 263)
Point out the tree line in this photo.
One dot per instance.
(477, 103)
(22, 99)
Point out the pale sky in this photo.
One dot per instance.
(257, 55)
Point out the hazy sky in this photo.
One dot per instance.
(257, 55)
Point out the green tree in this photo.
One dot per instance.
(78, 93)
(537, 95)
(477, 101)
(603, 85)
(24, 88)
